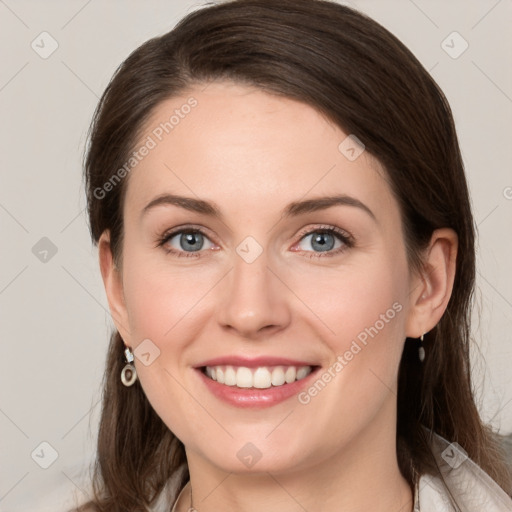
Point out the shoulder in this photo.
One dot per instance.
(470, 487)
(86, 507)
(432, 495)
(170, 492)
(458, 484)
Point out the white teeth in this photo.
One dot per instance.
(290, 374)
(230, 376)
(262, 377)
(243, 378)
(278, 376)
(302, 372)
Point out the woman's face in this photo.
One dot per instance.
(282, 275)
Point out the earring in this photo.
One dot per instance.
(421, 350)
(129, 373)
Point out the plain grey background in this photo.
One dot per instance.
(57, 58)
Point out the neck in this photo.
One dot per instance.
(362, 476)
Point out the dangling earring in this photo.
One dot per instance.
(128, 374)
(421, 350)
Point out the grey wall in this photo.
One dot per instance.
(54, 319)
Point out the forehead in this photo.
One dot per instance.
(237, 145)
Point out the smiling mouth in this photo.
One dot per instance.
(262, 377)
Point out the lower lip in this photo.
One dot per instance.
(254, 397)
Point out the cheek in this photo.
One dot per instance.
(160, 298)
(357, 302)
(362, 312)
(168, 308)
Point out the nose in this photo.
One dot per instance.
(255, 302)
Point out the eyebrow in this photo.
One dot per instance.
(293, 209)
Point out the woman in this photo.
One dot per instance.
(287, 246)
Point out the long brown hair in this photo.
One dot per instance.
(365, 80)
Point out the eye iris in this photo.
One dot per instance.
(322, 245)
(194, 239)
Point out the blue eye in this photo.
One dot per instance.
(328, 241)
(322, 240)
(190, 242)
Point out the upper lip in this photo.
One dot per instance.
(252, 362)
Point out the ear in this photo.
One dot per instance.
(113, 283)
(431, 291)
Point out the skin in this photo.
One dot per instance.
(252, 154)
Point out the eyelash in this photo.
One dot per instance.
(343, 236)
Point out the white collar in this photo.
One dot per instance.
(459, 480)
